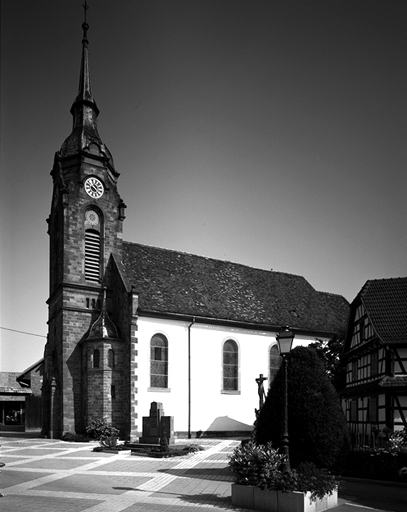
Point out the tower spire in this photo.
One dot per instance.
(84, 91)
(84, 109)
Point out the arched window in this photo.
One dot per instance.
(159, 361)
(110, 359)
(96, 358)
(274, 362)
(230, 366)
(93, 246)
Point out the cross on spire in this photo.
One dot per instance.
(85, 8)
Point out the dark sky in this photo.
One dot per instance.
(269, 133)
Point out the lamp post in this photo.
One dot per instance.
(53, 386)
(285, 341)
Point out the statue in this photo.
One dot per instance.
(262, 393)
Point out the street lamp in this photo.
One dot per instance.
(285, 341)
(53, 386)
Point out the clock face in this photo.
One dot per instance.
(94, 188)
(91, 217)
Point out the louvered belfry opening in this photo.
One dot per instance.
(92, 255)
(93, 245)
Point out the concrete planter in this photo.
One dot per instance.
(247, 496)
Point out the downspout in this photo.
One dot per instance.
(189, 377)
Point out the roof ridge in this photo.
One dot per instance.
(169, 281)
(332, 294)
(381, 279)
(176, 251)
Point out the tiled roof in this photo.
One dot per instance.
(14, 391)
(168, 281)
(34, 367)
(385, 301)
(8, 379)
(10, 386)
(397, 381)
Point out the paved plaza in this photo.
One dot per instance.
(55, 476)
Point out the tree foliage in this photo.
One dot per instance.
(330, 353)
(316, 424)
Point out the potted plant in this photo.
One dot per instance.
(260, 483)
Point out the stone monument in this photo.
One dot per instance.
(157, 426)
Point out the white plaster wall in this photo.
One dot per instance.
(175, 399)
(211, 409)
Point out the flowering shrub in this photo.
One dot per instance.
(192, 448)
(108, 442)
(376, 464)
(403, 474)
(253, 464)
(157, 452)
(398, 441)
(262, 466)
(315, 480)
(103, 431)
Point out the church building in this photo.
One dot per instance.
(131, 324)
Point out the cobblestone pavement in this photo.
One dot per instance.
(55, 476)
(51, 475)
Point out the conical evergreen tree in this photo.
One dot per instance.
(316, 424)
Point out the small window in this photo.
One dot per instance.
(372, 410)
(110, 359)
(159, 361)
(354, 370)
(362, 331)
(96, 358)
(374, 364)
(113, 391)
(230, 366)
(353, 410)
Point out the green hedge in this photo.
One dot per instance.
(376, 465)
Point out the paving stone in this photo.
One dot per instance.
(56, 463)
(15, 503)
(53, 476)
(11, 478)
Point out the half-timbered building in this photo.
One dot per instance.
(375, 354)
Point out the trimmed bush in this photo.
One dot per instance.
(74, 438)
(158, 452)
(316, 424)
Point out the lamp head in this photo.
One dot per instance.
(285, 340)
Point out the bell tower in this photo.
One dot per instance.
(85, 228)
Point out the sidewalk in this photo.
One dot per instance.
(55, 476)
